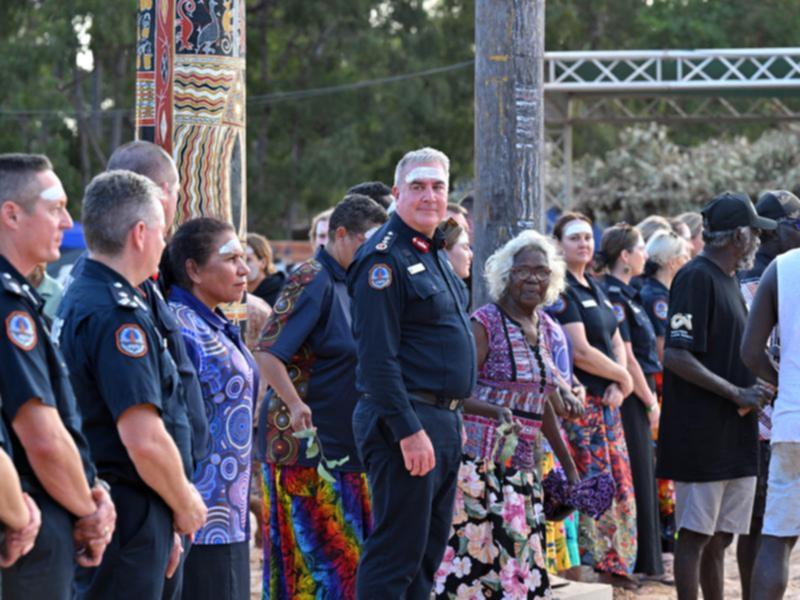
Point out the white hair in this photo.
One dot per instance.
(664, 246)
(497, 271)
(421, 156)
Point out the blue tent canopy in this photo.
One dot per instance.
(73, 238)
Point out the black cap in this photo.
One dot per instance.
(730, 210)
(778, 204)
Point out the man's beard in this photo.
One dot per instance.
(747, 261)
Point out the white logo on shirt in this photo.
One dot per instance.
(681, 321)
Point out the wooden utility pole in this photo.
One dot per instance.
(509, 126)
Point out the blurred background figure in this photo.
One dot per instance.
(649, 226)
(694, 221)
(459, 214)
(457, 246)
(264, 279)
(318, 232)
(48, 288)
(377, 190)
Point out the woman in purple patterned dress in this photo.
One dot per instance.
(496, 548)
(208, 268)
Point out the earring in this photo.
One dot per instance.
(626, 269)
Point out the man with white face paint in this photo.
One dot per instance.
(38, 405)
(416, 364)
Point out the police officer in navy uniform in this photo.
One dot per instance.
(622, 252)
(416, 363)
(39, 411)
(150, 160)
(126, 381)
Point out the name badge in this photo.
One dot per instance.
(589, 304)
(417, 268)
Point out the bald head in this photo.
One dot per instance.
(144, 158)
(150, 160)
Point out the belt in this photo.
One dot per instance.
(438, 401)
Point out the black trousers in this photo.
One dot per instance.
(640, 451)
(217, 571)
(46, 572)
(135, 561)
(412, 515)
(173, 587)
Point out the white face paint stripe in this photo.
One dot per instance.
(53, 193)
(577, 226)
(462, 239)
(420, 173)
(231, 247)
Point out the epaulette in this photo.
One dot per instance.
(126, 299)
(388, 239)
(10, 285)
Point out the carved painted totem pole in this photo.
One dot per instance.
(190, 100)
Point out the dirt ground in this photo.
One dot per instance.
(655, 591)
(650, 591)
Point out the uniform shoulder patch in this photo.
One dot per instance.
(619, 311)
(661, 309)
(21, 330)
(380, 276)
(131, 340)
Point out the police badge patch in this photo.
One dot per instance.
(619, 312)
(131, 340)
(380, 276)
(661, 309)
(21, 330)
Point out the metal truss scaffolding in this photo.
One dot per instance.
(666, 86)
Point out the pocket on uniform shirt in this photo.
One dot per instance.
(430, 301)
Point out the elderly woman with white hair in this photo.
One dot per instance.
(496, 547)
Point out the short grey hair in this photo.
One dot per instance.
(421, 156)
(18, 182)
(497, 271)
(664, 246)
(720, 239)
(113, 203)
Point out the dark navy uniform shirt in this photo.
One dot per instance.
(117, 359)
(655, 301)
(590, 306)
(310, 331)
(410, 324)
(191, 411)
(634, 324)
(31, 366)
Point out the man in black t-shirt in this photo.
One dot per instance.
(708, 435)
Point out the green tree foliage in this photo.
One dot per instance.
(305, 150)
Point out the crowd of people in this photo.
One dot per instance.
(615, 399)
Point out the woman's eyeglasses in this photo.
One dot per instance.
(528, 274)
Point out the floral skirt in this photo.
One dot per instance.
(597, 442)
(496, 546)
(313, 532)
